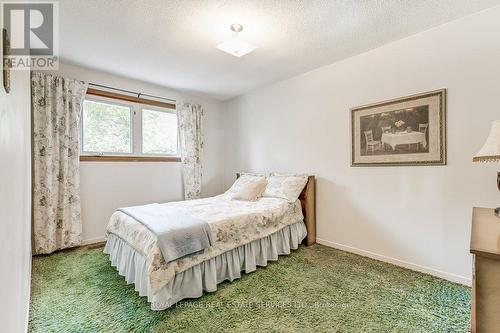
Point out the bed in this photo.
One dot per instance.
(245, 235)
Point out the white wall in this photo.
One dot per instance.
(106, 186)
(414, 216)
(15, 203)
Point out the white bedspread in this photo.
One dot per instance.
(232, 222)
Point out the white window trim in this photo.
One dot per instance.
(136, 130)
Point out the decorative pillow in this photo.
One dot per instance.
(250, 191)
(285, 186)
(243, 181)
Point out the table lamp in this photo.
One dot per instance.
(491, 152)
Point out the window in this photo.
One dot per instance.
(116, 129)
(107, 128)
(159, 132)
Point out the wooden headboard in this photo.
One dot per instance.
(308, 201)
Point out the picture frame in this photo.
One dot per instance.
(5, 57)
(406, 131)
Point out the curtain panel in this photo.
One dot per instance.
(56, 108)
(190, 120)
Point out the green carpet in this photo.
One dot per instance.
(316, 289)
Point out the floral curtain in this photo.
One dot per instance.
(56, 107)
(191, 142)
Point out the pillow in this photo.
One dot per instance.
(255, 174)
(284, 186)
(242, 181)
(289, 174)
(250, 191)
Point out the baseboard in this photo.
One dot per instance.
(415, 267)
(93, 240)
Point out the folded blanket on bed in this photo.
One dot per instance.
(179, 235)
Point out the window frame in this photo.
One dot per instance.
(136, 154)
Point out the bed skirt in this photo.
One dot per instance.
(206, 275)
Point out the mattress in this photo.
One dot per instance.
(233, 223)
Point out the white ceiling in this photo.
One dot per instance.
(172, 43)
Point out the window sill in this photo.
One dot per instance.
(90, 158)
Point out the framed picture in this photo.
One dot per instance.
(404, 131)
(5, 55)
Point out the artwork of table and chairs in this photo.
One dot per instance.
(405, 131)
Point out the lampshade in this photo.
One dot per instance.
(491, 149)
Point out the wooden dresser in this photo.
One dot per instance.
(485, 247)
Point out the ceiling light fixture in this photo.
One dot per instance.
(235, 46)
